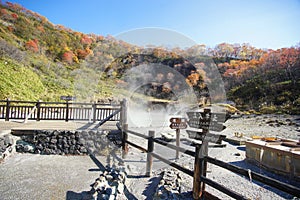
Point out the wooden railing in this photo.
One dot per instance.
(30, 110)
(200, 164)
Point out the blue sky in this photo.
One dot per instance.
(262, 23)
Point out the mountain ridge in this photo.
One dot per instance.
(51, 56)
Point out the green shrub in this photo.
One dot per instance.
(268, 109)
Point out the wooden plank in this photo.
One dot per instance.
(213, 138)
(205, 124)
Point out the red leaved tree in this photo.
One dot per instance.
(67, 57)
(32, 45)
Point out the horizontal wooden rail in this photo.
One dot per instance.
(137, 134)
(171, 146)
(223, 189)
(180, 168)
(137, 146)
(257, 177)
(39, 110)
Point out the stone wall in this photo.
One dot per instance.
(62, 142)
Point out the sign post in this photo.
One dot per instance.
(204, 121)
(178, 123)
(67, 99)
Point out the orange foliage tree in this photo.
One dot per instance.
(67, 57)
(32, 45)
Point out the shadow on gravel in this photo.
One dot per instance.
(85, 127)
(86, 195)
(242, 148)
(97, 162)
(246, 165)
(151, 188)
(77, 196)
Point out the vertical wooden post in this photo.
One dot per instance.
(7, 110)
(124, 139)
(197, 193)
(94, 107)
(149, 154)
(38, 112)
(177, 142)
(123, 116)
(203, 153)
(67, 111)
(200, 168)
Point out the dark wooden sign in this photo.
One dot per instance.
(67, 98)
(206, 120)
(214, 138)
(178, 123)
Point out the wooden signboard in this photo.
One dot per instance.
(178, 123)
(206, 120)
(213, 138)
(67, 98)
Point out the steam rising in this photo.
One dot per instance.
(147, 111)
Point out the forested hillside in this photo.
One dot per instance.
(40, 60)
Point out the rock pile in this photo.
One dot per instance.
(109, 185)
(169, 186)
(6, 146)
(64, 142)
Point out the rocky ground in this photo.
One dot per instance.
(34, 176)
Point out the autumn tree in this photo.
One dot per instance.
(32, 45)
(67, 57)
(290, 60)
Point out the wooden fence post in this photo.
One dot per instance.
(124, 139)
(203, 154)
(94, 107)
(7, 110)
(200, 168)
(67, 111)
(123, 116)
(197, 172)
(38, 112)
(149, 154)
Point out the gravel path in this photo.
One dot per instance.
(27, 176)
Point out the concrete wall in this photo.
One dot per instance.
(275, 158)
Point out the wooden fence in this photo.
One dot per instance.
(29, 110)
(199, 175)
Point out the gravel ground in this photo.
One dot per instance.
(28, 176)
